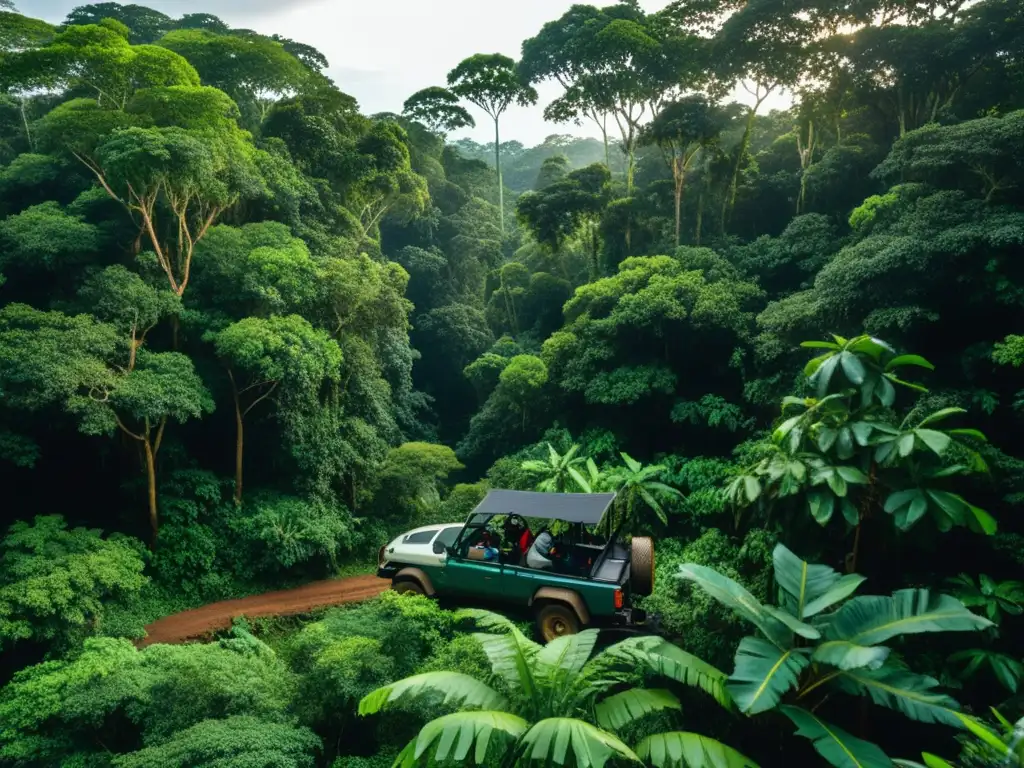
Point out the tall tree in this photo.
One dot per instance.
(682, 130)
(490, 82)
(285, 356)
(438, 109)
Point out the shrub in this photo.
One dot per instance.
(689, 616)
(57, 584)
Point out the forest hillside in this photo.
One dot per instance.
(248, 334)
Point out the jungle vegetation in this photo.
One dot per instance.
(247, 333)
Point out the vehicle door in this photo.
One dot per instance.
(466, 575)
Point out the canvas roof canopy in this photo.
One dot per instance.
(586, 508)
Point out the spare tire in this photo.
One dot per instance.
(641, 565)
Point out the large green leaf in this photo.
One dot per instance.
(568, 653)
(763, 674)
(511, 656)
(834, 744)
(464, 738)
(679, 749)
(846, 655)
(733, 596)
(791, 621)
(566, 741)
(623, 708)
(813, 588)
(452, 687)
(662, 658)
(870, 620)
(904, 691)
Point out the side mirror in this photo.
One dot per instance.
(439, 547)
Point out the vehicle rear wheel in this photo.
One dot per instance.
(555, 620)
(407, 588)
(641, 566)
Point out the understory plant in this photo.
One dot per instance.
(555, 705)
(819, 641)
(842, 448)
(993, 599)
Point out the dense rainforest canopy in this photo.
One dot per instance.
(248, 333)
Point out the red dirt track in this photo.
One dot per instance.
(200, 622)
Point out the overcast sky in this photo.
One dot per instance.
(381, 51)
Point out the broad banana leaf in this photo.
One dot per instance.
(453, 687)
(662, 658)
(568, 653)
(813, 588)
(493, 622)
(763, 674)
(791, 621)
(834, 744)
(512, 658)
(733, 596)
(679, 749)
(464, 738)
(873, 619)
(566, 741)
(846, 655)
(623, 708)
(904, 691)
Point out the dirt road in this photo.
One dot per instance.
(199, 622)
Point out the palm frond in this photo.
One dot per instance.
(452, 687)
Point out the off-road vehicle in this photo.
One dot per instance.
(591, 579)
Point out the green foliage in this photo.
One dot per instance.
(233, 742)
(845, 646)
(637, 487)
(202, 238)
(411, 476)
(689, 615)
(553, 693)
(57, 710)
(843, 449)
(57, 584)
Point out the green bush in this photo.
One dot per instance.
(56, 585)
(408, 629)
(210, 548)
(113, 697)
(234, 742)
(692, 619)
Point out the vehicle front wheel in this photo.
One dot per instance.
(555, 620)
(407, 588)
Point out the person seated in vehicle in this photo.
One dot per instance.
(544, 553)
(485, 547)
(517, 533)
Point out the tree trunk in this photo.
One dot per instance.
(730, 199)
(497, 166)
(24, 120)
(630, 166)
(679, 178)
(239, 443)
(151, 481)
(700, 216)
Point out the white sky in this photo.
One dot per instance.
(381, 51)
